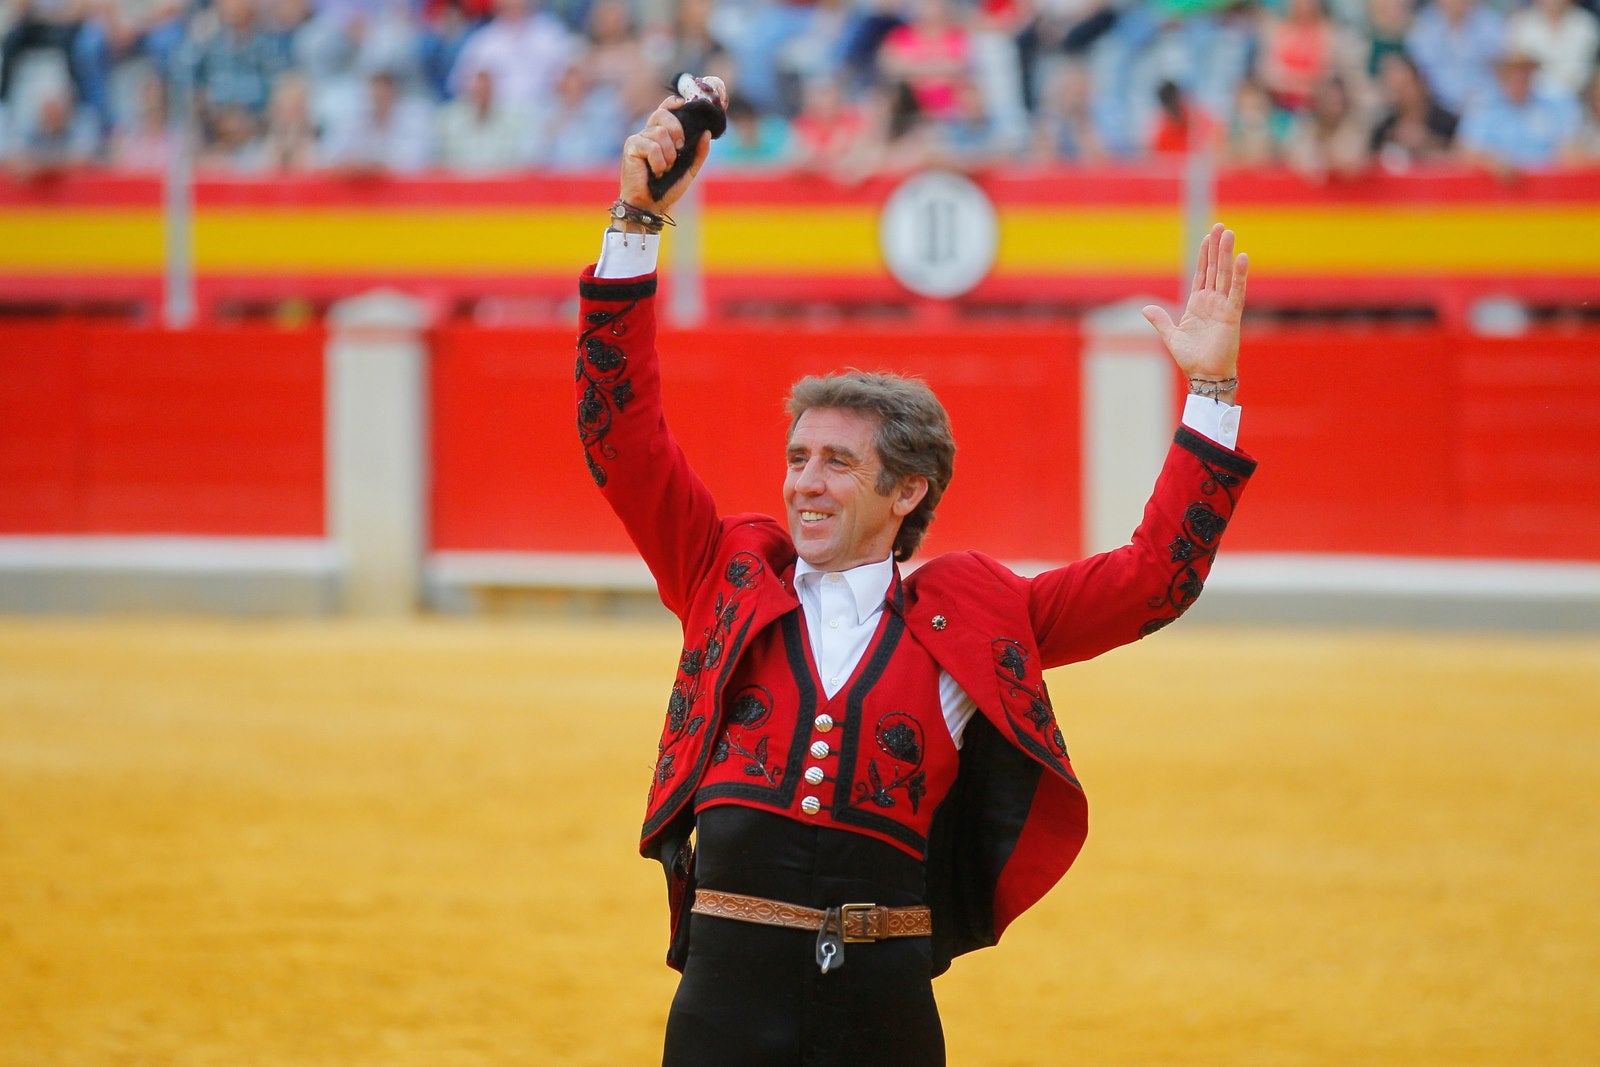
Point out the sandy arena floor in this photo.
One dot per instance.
(241, 843)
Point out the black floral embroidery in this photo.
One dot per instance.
(1011, 665)
(601, 367)
(1012, 659)
(1039, 714)
(739, 570)
(750, 708)
(748, 711)
(693, 665)
(1225, 480)
(1202, 519)
(901, 742)
(603, 357)
(1156, 624)
(900, 737)
(1194, 549)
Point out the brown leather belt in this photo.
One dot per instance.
(860, 922)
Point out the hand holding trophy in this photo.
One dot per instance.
(660, 162)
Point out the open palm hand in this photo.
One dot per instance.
(1205, 342)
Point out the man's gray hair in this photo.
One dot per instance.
(913, 435)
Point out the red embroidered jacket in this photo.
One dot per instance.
(1016, 818)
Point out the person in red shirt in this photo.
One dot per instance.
(1181, 125)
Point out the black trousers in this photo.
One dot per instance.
(753, 996)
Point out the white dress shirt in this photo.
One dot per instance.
(842, 608)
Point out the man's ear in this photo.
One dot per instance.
(909, 494)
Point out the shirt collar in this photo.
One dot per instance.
(868, 583)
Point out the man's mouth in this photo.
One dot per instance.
(812, 516)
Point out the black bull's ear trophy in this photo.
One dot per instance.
(702, 114)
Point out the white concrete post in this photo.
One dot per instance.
(686, 279)
(1128, 420)
(377, 449)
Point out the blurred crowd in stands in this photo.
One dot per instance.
(847, 88)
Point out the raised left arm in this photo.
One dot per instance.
(1095, 604)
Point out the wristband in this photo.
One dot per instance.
(622, 211)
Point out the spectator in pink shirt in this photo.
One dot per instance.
(932, 55)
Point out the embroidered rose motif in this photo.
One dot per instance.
(746, 712)
(1203, 519)
(900, 741)
(900, 736)
(748, 709)
(601, 356)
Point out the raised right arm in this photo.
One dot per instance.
(631, 454)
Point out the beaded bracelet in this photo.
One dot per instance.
(1212, 388)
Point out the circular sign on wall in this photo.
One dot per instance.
(938, 232)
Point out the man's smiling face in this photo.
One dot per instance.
(837, 516)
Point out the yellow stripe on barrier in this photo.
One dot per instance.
(806, 242)
(326, 241)
(1088, 240)
(80, 241)
(792, 241)
(1423, 240)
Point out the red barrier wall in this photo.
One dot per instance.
(1432, 442)
(113, 430)
(508, 472)
(1426, 442)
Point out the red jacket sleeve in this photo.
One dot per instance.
(1096, 604)
(632, 455)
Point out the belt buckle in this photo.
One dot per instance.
(844, 925)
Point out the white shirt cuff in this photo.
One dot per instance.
(627, 255)
(1213, 419)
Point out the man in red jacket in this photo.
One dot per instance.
(861, 774)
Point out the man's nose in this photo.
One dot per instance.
(810, 478)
